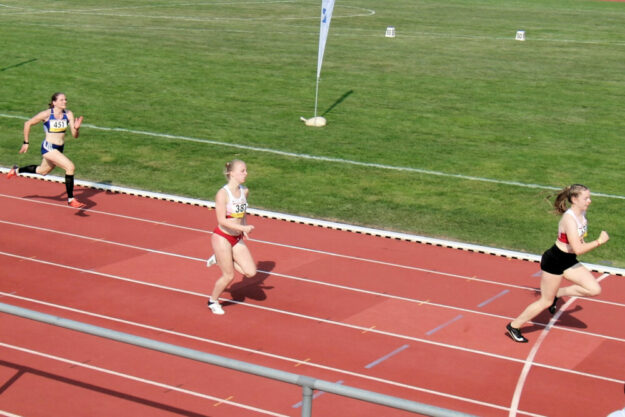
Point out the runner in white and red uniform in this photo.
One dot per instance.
(560, 261)
(230, 251)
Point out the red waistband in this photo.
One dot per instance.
(232, 239)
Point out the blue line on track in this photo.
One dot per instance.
(383, 358)
(504, 292)
(434, 330)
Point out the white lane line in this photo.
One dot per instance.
(321, 252)
(138, 379)
(357, 328)
(516, 397)
(330, 159)
(7, 414)
(292, 277)
(322, 223)
(270, 355)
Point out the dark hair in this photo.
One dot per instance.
(567, 194)
(53, 99)
(230, 166)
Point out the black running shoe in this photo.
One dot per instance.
(553, 308)
(515, 334)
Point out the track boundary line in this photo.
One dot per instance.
(325, 224)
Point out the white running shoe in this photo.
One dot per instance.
(215, 307)
(211, 261)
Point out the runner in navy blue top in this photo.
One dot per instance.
(57, 119)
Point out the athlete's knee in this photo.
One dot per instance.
(545, 302)
(42, 171)
(593, 290)
(69, 170)
(227, 277)
(249, 271)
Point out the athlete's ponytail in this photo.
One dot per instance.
(564, 196)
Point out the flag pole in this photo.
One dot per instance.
(316, 96)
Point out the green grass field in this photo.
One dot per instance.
(448, 120)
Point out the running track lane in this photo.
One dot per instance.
(416, 321)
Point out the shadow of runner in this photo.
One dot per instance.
(84, 195)
(253, 288)
(566, 320)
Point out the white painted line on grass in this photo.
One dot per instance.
(332, 159)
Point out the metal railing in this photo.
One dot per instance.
(307, 383)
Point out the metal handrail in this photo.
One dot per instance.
(307, 383)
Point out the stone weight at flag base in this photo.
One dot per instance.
(327, 6)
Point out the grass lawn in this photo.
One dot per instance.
(435, 132)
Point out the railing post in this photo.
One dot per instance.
(307, 401)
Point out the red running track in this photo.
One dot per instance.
(416, 321)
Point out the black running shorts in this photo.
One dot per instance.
(555, 261)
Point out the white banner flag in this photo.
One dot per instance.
(326, 15)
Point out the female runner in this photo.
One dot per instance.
(561, 259)
(56, 120)
(230, 252)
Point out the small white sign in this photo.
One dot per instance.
(390, 32)
(520, 35)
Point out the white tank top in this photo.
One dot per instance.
(582, 227)
(235, 207)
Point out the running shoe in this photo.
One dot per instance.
(553, 308)
(76, 204)
(515, 334)
(215, 307)
(12, 172)
(211, 261)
